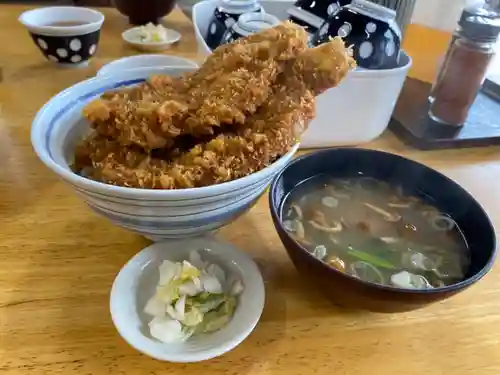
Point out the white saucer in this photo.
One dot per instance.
(145, 62)
(137, 280)
(129, 36)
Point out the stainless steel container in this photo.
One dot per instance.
(403, 8)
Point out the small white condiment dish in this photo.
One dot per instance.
(145, 62)
(131, 36)
(136, 283)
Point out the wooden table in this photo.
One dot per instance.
(58, 260)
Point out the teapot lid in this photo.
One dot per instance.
(239, 6)
(373, 10)
(377, 12)
(250, 23)
(305, 16)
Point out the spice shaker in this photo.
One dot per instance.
(462, 74)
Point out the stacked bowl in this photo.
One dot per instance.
(156, 214)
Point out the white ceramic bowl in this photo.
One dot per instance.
(137, 280)
(355, 112)
(156, 214)
(145, 62)
(129, 36)
(65, 35)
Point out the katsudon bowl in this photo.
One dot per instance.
(354, 259)
(156, 214)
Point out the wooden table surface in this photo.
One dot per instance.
(58, 259)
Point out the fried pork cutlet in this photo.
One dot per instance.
(267, 135)
(128, 114)
(287, 39)
(234, 81)
(224, 158)
(292, 101)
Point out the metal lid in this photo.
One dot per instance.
(377, 12)
(251, 23)
(478, 24)
(305, 16)
(373, 10)
(239, 6)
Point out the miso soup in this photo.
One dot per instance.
(376, 232)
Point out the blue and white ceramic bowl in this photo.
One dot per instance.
(156, 214)
(65, 35)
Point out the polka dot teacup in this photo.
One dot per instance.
(65, 35)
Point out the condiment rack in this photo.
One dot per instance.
(413, 125)
(462, 109)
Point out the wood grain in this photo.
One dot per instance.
(58, 260)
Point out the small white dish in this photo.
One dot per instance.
(136, 283)
(130, 37)
(143, 62)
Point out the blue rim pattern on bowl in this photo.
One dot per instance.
(73, 103)
(192, 223)
(207, 211)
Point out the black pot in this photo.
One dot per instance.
(141, 13)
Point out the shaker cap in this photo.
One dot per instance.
(479, 24)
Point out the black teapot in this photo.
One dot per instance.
(249, 23)
(225, 16)
(370, 28)
(311, 14)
